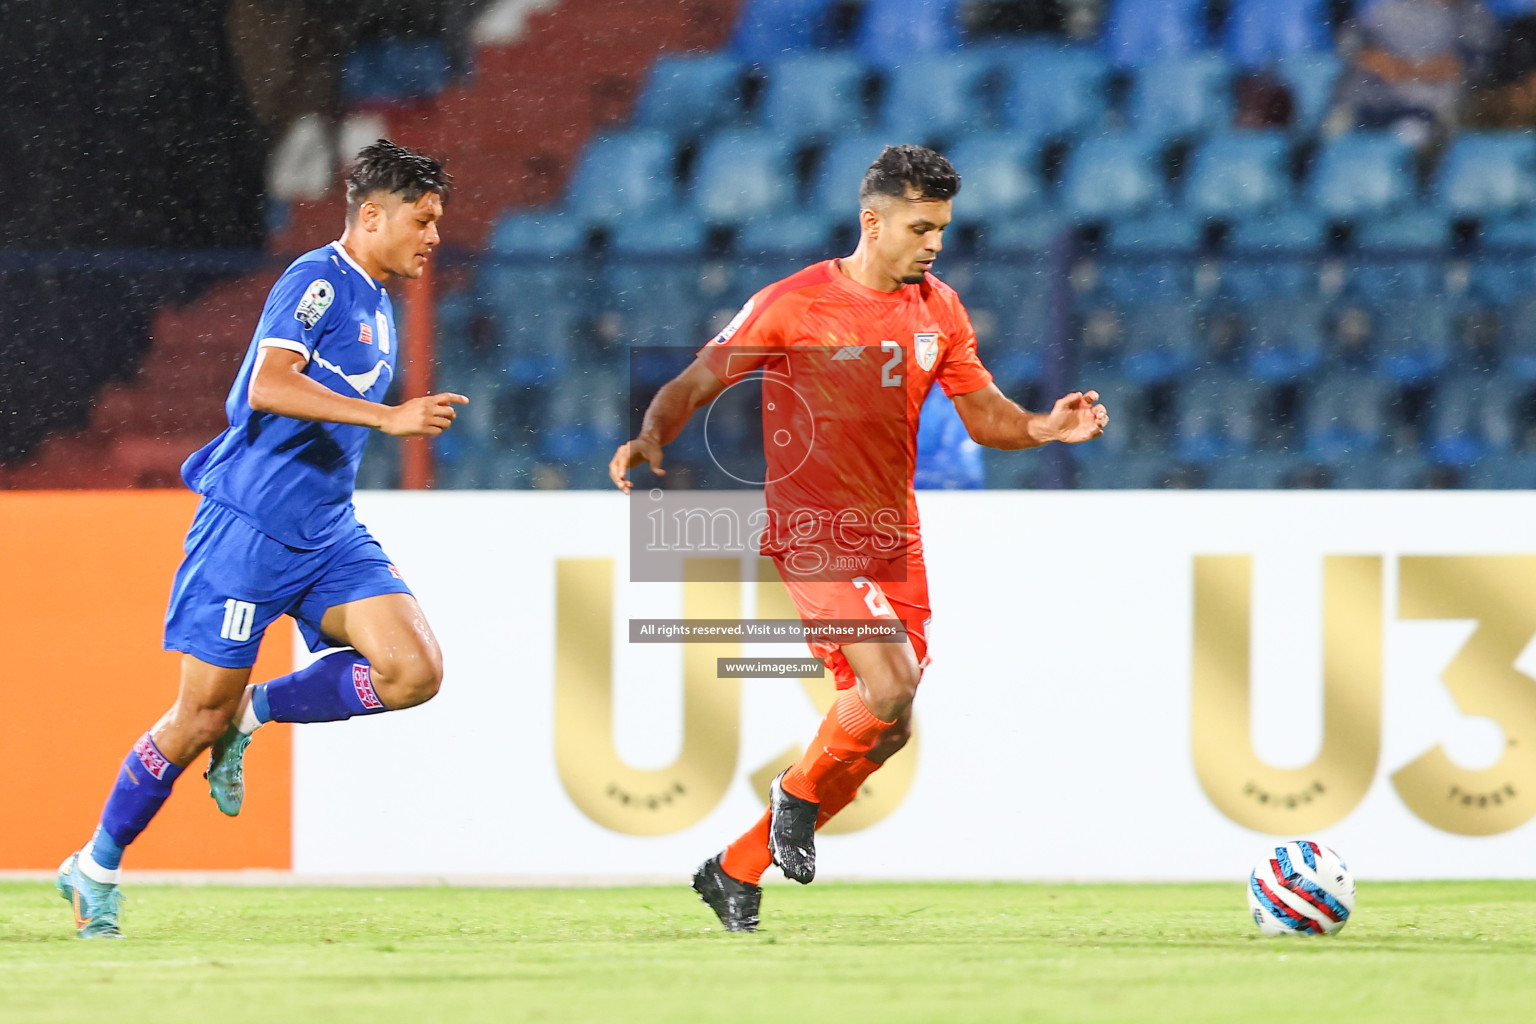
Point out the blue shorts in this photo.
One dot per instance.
(235, 581)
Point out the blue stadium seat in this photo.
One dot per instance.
(893, 31)
(657, 302)
(1285, 339)
(1000, 177)
(1417, 228)
(674, 234)
(1237, 174)
(1345, 416)
(743, 174)
(937, 97)
(1161, 341)
(1161, 230)
(1290, 230)
(1217, 414)
(1031, 231)
(1255, 471)
(395, 69)
(1488, 175)
(1516, 471)
(813, 95)
(798, 233)
(691, 94)
(1112, 175)
(1362, 174)
(535, 308)
(842, 168)
(1139, 31)
(1414, 338)
(1388, 267)
(1182, 96)
(1261, 31)
(1460, 419)
(543, 232)
(630, 173)
(1311, 78)
(1123, 472)
(768, 29)
(1057, 92)
(1518, 356)
(1009, 304)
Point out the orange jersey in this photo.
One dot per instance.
(844, 370)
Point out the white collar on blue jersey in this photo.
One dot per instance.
(348, 257)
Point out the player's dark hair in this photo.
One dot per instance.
(386, 167)
(902, 170)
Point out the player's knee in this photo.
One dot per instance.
(407, 680)
(204, 725)
(890, 693)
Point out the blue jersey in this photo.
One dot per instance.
(293, 479)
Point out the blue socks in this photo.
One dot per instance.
(337, 687)
(143, 783)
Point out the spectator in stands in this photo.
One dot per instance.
(1411, 63)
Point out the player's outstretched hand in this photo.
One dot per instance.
(1078, 417)
(630, 455)
(422, 417)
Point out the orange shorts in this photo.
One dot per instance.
(895, 588)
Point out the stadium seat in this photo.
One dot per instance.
(1031, 231)
(544, 232)
(1238, 174)
(691, 94)
(1181, 96)
(535, 308)
(1161, 230)
(842, 168)
(1125, 472)
(1488, 175)
(1111, 175)
(1464, 420)
(631, 173)
(1139, 31)
(657, 302)
(394, 69)
(1285, 338)
(674, 234)
(1161, 341)
(797, 233)
(1056, 92)
(814, 95)
(1311, 78)
(1518, 355)
(768, 29)
(743, 174)
(1255, 471)
(1289, 230)
(1345, 416)
(1216, 416)
(1261, 31)
(1516, 471)
(1414, 338)
(1415, 229)
(1009, 304)
(1402, 254)
(937, 97)
(1000, 177)
(893, 31)
(1361, 174)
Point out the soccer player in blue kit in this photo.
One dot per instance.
(276, 532)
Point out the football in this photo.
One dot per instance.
(1301, 888)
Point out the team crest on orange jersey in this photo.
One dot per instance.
(927, 348)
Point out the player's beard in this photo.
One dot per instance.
(916, 278)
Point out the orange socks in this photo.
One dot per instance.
(747, 858)
(847, 733)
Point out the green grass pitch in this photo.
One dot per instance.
(837, 953)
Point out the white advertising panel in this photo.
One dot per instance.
(1124, 686)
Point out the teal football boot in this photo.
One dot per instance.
(95, 903)
(226, 770)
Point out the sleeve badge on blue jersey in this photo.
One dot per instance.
(317, 299)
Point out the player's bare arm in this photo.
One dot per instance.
(665, 418)
(995, 421)
(280, 386)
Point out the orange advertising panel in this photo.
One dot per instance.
(84, 579)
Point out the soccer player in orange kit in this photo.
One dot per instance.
(882, 301)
